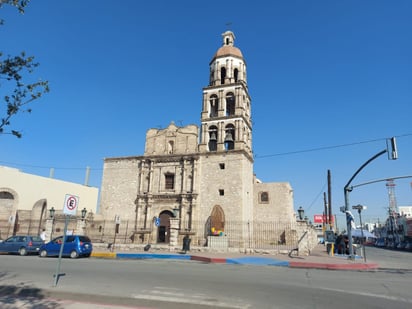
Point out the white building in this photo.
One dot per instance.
(27, 199)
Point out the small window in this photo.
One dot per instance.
(221, 192)
(222, 166)
(169, 181)
(263, 197)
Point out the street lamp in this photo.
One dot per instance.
(52, 212)
(176, 212)
(84, 211)
(301, 212)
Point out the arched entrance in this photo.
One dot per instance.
(217, 220)
(163, 230)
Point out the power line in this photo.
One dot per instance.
(327, 147)
(256, 157)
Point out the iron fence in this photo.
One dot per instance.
(249, 235)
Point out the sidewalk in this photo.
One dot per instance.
(318, 259)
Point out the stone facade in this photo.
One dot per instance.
(197, 179)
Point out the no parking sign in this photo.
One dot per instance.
(71, 202)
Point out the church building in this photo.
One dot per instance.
(199, 180)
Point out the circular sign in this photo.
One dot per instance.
(71, 203)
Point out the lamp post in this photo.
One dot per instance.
(52, 212)
(84, 211)
(301, 212)
(176, 212)
(359, 208)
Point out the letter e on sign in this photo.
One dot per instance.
(71, 203)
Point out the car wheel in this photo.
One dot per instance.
(87, 255)
(43, 253)
(74, 254)
(23, 251)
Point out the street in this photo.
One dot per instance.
(189, 284)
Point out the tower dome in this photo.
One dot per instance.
(228, 49)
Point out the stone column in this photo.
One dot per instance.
(174, 233)
(80, 227)
(303, 234)
(49, 229)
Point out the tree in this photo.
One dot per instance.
(13, 69)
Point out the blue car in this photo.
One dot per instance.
(74, 246)
(22, 244)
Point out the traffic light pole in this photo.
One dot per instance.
(347, 190)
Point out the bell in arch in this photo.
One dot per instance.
(229, 137)
(213, 136)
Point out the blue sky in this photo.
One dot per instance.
(329, 82)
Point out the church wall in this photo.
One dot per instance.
(236, 181)
(172, 140)
(279, 206)
(119, 188)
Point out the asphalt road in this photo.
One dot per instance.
(27, 282)
(387, 258)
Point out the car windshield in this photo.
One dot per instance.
(36, 238)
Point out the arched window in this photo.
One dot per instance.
(222, 75)
(214, 105)
(230, 104)
(6, 195)
(213, 138)
(236, 73)
(230, 137)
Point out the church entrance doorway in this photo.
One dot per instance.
(163, 231)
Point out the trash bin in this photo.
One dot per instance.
(186, 244)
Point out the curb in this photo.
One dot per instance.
(110, 255)
(152, 256)
(263, 261)
(333, 266)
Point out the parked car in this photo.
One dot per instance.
(21, 244)
(74, 246)
(380, 242)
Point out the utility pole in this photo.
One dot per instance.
(330, 217)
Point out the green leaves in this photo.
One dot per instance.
(13, 73)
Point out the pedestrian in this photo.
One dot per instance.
(43, 235)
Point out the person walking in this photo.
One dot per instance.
(43, 235)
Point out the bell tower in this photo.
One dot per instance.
(225, 145)
(226, 112)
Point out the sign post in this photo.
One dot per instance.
(71, 203)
